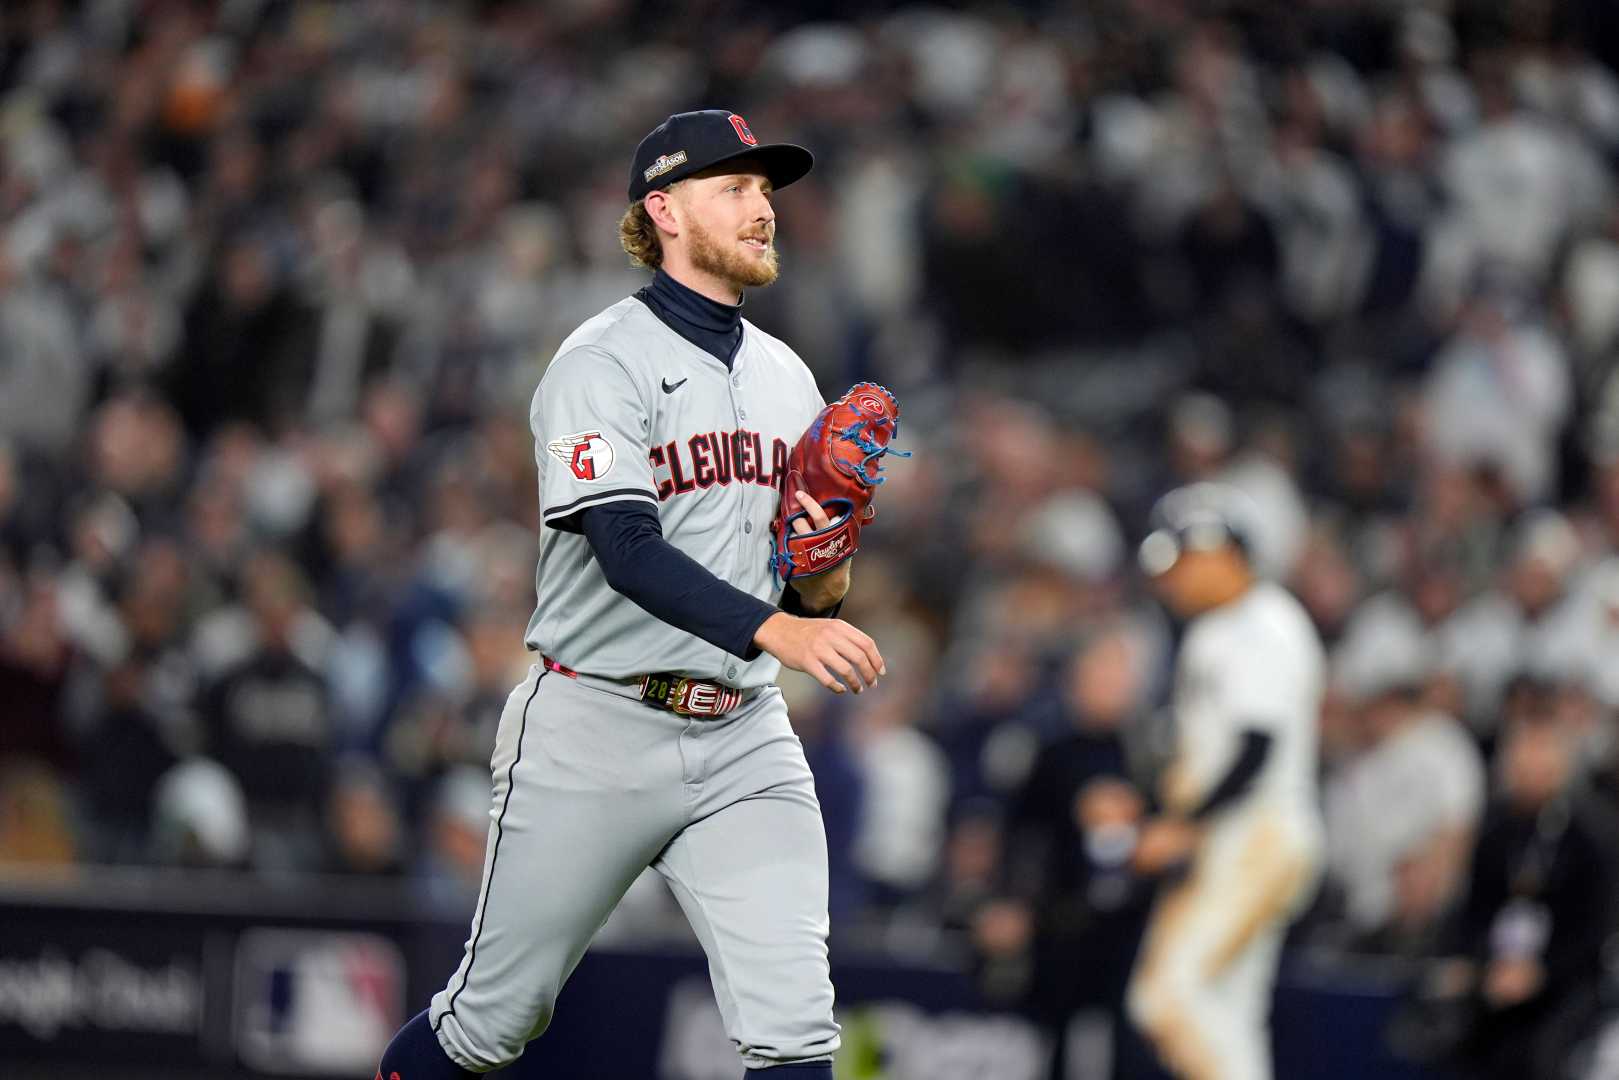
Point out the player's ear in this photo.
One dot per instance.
(661, 208)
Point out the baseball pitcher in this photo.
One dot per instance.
(672, 585)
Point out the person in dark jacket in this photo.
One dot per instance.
(1540, 904)
(1073, 909)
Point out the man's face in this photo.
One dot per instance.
(729, 225)
(1196, 581)
(1537, 763)
(1103, 683)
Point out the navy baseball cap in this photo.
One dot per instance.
(690, 142)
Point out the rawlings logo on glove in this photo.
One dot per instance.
(838, 463)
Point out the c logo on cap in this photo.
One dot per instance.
(742, 131)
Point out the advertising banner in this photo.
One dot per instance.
(222, 995)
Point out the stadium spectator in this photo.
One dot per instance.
(905, 783)
(1072, 902)
(268, 718)
(199, 818)
(1530, 620)
(35, 656)
(125, 752)
(450, 865)
(1402, 812)
(363, 823)
(36, 833)
(1540, 905)
(840, 787)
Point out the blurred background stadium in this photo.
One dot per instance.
(277, 280)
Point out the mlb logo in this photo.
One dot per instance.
(316, 1001)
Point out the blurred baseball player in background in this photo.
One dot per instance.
(662, 429)
(1239, 834)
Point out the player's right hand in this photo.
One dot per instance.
(835, 653)
(1164, 843)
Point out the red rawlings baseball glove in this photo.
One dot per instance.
(838, 463)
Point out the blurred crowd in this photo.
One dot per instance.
(277, 281)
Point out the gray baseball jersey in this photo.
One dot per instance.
(629, 409)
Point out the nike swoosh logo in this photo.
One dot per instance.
(669, 388)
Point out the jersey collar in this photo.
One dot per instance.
(714, 327)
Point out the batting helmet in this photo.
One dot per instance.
(1198, 517)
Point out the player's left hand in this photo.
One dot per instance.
(1164, 843)
(823, 591)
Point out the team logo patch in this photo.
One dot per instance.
(588, 454)
(742, 131)
(663, 164)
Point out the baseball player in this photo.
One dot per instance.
(649, 733)
(1239, 834)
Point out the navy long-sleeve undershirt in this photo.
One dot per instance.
(627, 539)
(1251, 756)
(714, 327)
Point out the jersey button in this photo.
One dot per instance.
(730, 672)
(747, 526)
(736, 380)
(742, 414)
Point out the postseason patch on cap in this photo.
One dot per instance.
(663, 164)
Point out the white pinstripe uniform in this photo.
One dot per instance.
(1201, 989)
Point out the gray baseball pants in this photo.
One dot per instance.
(590, 788)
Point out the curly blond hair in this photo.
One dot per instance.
(639, 237)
